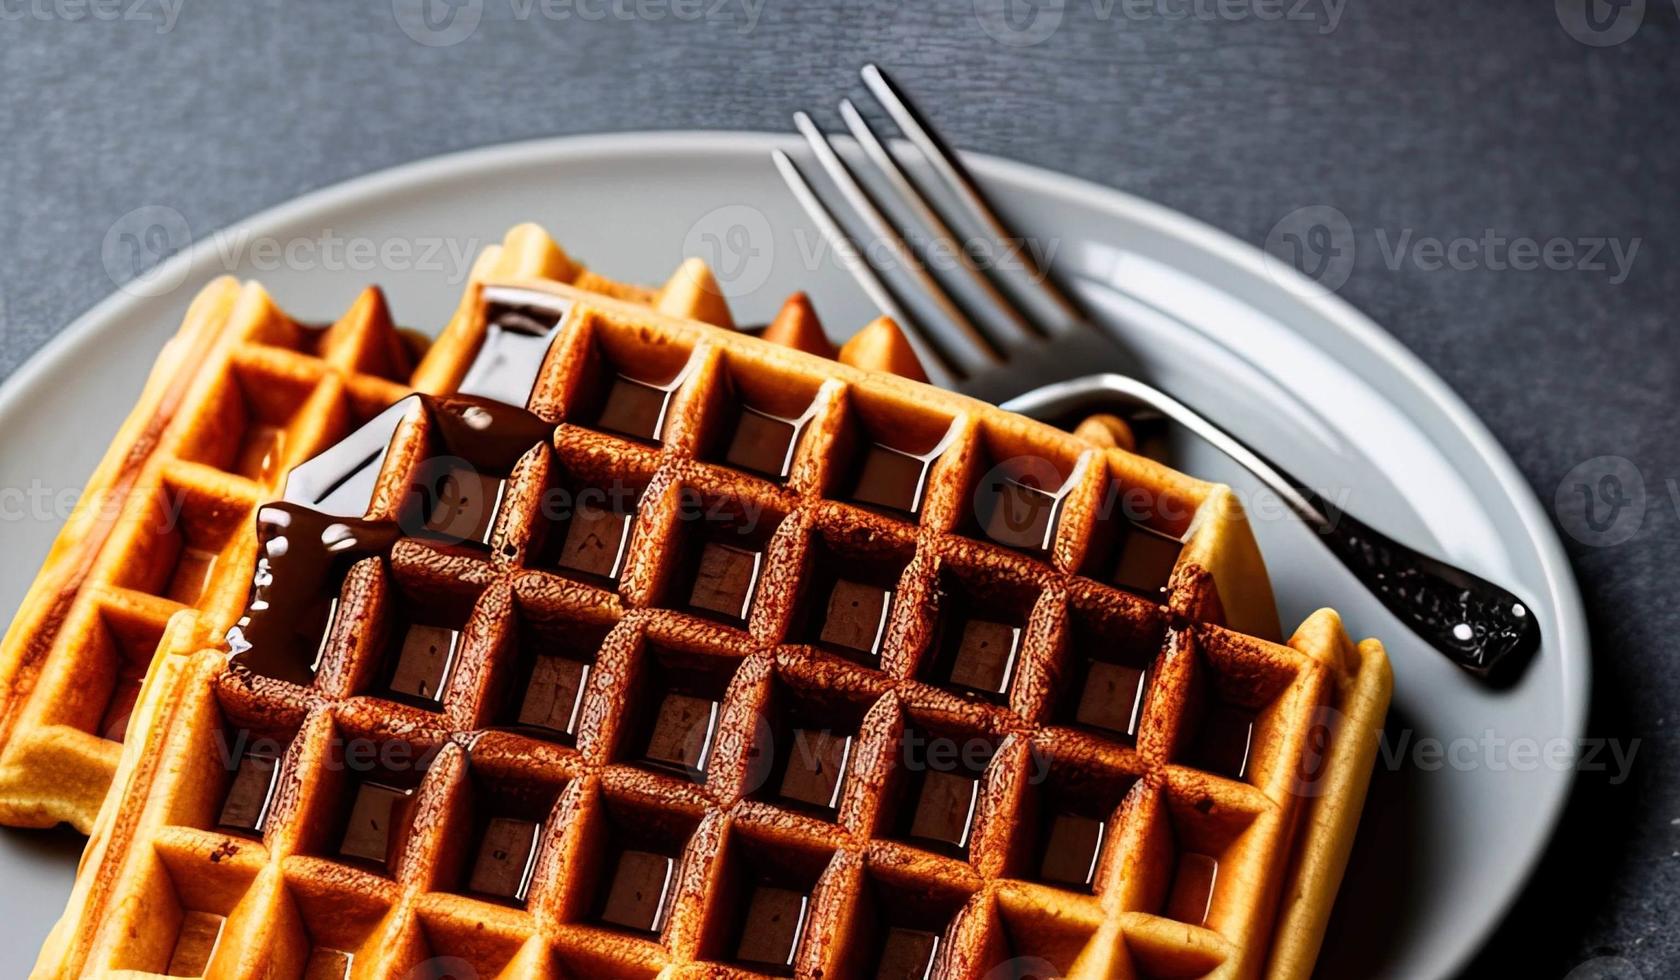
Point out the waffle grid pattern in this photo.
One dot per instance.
(289, 902)
(156, 558)
(171, 533)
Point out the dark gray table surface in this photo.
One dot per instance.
(1473, 121)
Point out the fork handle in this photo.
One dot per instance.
(1476, 624)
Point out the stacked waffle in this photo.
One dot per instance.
(637, 646)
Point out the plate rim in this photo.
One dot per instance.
(1562, 591)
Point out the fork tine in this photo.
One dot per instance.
(1022, 327)
(972, 351)
(878, 293)
(952, 171)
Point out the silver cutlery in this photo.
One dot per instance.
(1031, 348)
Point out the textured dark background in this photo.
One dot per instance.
(1444, 119)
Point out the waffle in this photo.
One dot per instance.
(722, 659)
(157, 555)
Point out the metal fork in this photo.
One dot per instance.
(1018, 361)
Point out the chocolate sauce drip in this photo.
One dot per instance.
(304, 551)
(341, 479)
(489, 435)
(460, 487)
(520, 327)
(302, 556)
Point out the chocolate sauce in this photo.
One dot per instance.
(552, 701)
(944, 809)
(978, 655)
(459, 503)
(340, 481)
(422, 665)
(594, 542)
(302, 556)
(488, 435)
(942, 792)
(460, 486)
(307, 542)
(520, 327)
(684, 726)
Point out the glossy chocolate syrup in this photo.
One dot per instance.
(304, 552)
(302, 556)
(520, 326)
(341, 479)
(489, 435)
(459, 489)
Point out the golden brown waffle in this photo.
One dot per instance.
(521, 756)
(157, 556)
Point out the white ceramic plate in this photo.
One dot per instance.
(1289, 367)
